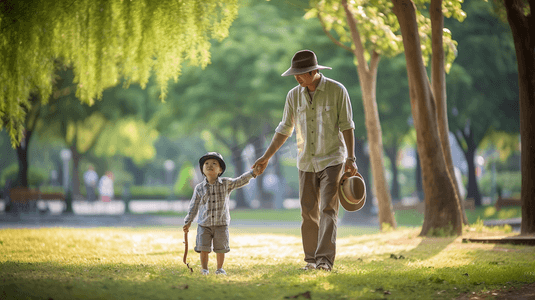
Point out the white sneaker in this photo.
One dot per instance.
(205, 272)
(220, 272)
(309, 266)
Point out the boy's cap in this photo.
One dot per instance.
(303, 61)
(216, 156)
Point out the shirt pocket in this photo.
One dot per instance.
(328, 121)
(327, 115)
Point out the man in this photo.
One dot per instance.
(319, 109)
(90, 180)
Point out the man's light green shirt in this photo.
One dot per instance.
(318, 124)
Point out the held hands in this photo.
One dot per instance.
(260, 166)
(256, 171)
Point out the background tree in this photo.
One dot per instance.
(241, 90)
(107, 126)
(377, 38)
(371, 28)
(481, 84)
(394, 109)
(103, 41)
(521, 21)
(443, 209)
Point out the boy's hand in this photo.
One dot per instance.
(186, 227)
(257, 171)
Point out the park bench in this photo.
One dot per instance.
(25, 199)
(502, 202)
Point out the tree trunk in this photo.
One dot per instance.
(75, 170)
(368, 79)
(418, 173)
(392, 151)
(133, 169)
(472, 191)
(438, 79)
(441, 212)
(524, 39)
(22, 154)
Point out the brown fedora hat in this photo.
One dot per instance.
(303, 61)
(352, 192)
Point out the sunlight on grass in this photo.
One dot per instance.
(128, 263)
(489, 211)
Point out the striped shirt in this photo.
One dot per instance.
(319, 123)
(212, 201)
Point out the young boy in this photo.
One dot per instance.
(211, 200)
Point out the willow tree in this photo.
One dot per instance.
(103, 41)
(370, 30)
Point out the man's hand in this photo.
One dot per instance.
(351, 167)
(186, 227)
(260, 165)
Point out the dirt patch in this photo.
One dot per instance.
(526, 292)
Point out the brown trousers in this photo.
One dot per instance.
(319, 210)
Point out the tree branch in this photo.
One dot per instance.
(374, 63)
(355, 34)
(330, 36)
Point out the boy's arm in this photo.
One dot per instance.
(193, 208)
(236, 183)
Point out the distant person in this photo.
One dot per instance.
(211, 200)
(105, 187)
(319, 109)
(90, 181)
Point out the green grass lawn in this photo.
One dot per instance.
(146, 263)
(482, 213)
(408, 218)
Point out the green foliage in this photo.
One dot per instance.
(413, 218)
(103, 41)
(36, 176)
(483, 84)
(182, 187)
(479, 227)
(445, 231)
(379, 28)
(52, 189)
(128, 137)
(509, 182)
(149, 192)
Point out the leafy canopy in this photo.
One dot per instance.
(379, 28)
(104, 41)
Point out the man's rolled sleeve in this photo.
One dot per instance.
(286, 126)
(346, 112)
